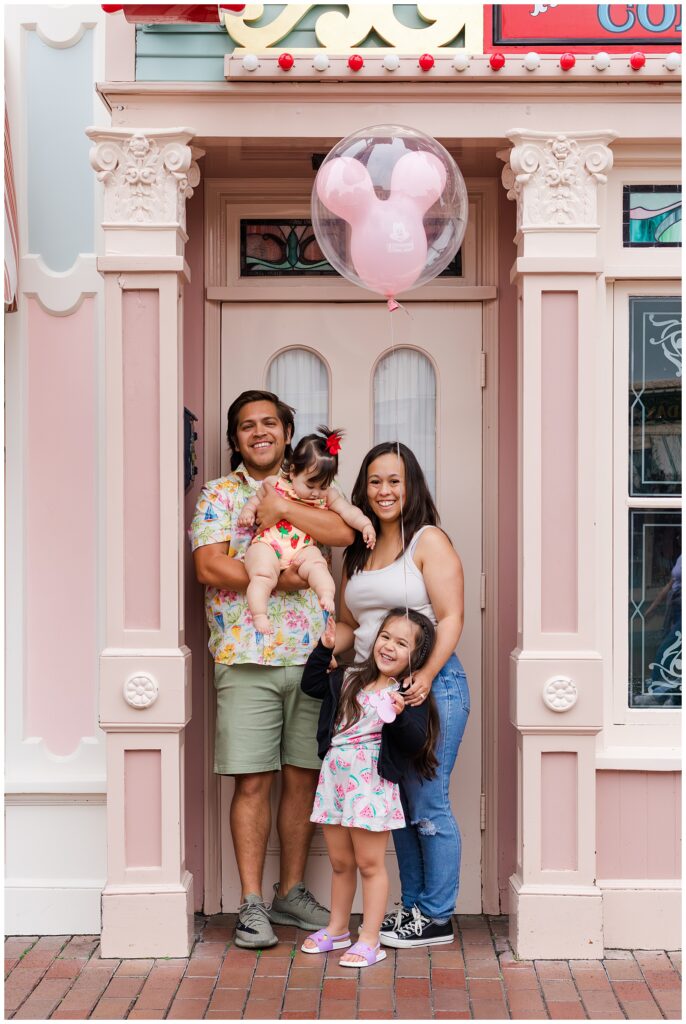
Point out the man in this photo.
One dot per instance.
(265, 723)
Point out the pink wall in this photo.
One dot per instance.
(507, 543)
(143, 808)
(559, 469)
(559, 808)
(638, 824)
(196, 638)
(141, 385)
(61, 527)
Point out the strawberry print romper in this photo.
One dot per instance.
(283, 538)
(350, 791)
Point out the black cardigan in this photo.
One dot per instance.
(400, 739)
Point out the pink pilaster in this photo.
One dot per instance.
(145, 666)
(557, 670)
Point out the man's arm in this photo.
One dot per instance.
(214, 568)
(324, 526)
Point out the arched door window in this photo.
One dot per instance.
(300, 378)
(405, 406)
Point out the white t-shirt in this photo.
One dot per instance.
(371, 595)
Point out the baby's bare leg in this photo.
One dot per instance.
(312, 567)
(262, 567)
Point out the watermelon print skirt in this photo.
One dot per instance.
(351, 792)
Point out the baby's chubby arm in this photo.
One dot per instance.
(351, 515)
(247, 516)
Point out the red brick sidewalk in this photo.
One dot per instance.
(477, 976)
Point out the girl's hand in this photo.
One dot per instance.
(272, 507)
(329, 634)
(369, 536)
(398, 701)
(419, 690)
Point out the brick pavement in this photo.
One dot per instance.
(63, 978)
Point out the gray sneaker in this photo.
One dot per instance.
(299, 907)
(253, 930)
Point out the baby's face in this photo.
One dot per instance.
(304, 484)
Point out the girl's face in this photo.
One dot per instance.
(386, 487)
(394, 645)
(304, 485)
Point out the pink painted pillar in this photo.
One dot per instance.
(147, 903)
(556, 668)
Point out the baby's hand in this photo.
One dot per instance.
(329, 634)
(247, 517)
(398, 701)
(369, 536)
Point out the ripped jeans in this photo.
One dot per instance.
(430, 848)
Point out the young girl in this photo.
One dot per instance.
(306, 477)
(368, 739)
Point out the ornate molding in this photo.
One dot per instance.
(148, 176)
(338, 32)
(554, 178)
(140, 691)
(560, 693)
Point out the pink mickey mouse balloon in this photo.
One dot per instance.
(389, 208)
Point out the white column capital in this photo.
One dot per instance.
(554, 179)
(148, 175)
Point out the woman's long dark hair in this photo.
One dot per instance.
(418, 505)
(348, 713)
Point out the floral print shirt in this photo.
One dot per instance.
(297, 617)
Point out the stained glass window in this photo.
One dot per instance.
(651, 215)
(655, 633)
(288, 248)
(655, 394)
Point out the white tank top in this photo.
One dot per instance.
(370, 595)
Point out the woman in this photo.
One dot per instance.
(413, 562)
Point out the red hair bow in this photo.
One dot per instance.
(333, 444)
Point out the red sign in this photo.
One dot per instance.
(584, 27)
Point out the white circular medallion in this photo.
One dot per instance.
(141, 691)
(560, 693)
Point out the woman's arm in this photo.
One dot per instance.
(346, 625)
(441, 568)
(325, 526)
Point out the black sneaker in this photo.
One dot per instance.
(395, 920)
(419, 931)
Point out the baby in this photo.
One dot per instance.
(306, 477)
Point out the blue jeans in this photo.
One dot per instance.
(430, 847)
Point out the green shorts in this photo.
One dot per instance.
(264, 719)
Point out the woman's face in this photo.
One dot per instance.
(386, 487)
(393, 646)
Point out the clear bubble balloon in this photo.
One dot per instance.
(389, 208)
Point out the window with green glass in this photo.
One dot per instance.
(655, 632)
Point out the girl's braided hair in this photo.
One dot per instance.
(361, 675)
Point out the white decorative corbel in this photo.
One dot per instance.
(148, 175)
(554, 178)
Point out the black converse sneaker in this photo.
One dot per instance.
(418, 930)
(395, 920)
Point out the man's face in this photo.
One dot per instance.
(261, 439)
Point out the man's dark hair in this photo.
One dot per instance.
(285, 413)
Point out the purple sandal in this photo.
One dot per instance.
(371, 954)
(326, 942)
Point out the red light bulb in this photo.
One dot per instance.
(355, 62)
(637, 60)
(426, 62)
(497, 61)
(567, 61)
(285, 61)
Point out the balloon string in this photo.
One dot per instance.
(397, 448)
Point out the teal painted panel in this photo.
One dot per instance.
(195, 53)
(58, 85)
(58, 88)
